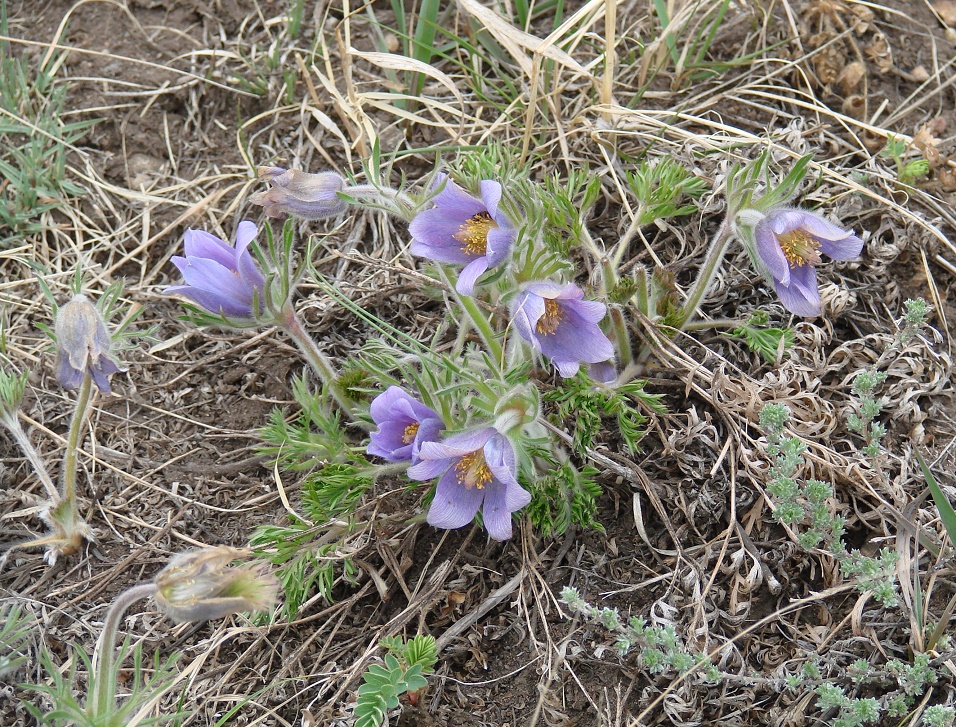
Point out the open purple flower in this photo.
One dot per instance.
(221, 278)
(462, 229)
(478, 470)
(789, 242)
(404, 424)
(83, 345)
(556, 321)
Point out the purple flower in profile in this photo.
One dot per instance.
(556, 321)
(789, 242)
(478, 470)
(83, 345)
(221, 278)
(404, 424)
(308, 196)
(462, 229)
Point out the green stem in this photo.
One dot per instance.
(398, 203)
(715, 256)
(12, 423)
(80, 415)
(481, 323)
(102, 700)
(320, 364)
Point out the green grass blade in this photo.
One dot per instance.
(946, 512)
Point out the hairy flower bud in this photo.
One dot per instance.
(83, 345)
(300, 194)
(203, 585)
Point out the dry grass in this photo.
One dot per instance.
(196, 98)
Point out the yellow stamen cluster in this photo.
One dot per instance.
(472, 470)
(799, 248)
(549, 321)
(474, 233)
(408, 436)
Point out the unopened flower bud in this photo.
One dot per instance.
(203, 585)
(83, 345)
(309, 196)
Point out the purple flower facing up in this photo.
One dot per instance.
(83, 345)
(464, 230)
(556, 321)
(789, 242)
(478, 471)
(221, 278)
(404, 424)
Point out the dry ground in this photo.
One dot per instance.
(193, 95)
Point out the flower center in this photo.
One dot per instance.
(472, 470)
(799, 248)
(408, 436)
(473, 233)
(548, 323)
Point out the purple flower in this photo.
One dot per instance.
(556, 321)
(404, 424)
(789, 242)
(83, 345)
(221, 278)
(308, 196)
(477, 471)
(462, 229)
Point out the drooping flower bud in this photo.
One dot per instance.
(203, 585)
(300, 194)
(83, 345)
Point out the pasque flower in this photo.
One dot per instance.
(221, 278)
(404, 424)
(557, 321)
(300, 194)
(788, 243)
(478, 471)
(462, 229)
(83, 345)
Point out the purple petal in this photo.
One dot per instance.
(576, 339)
(69, 377)
(457, 445)
(496, 515)
(591, 311)
(210, 276)
(847, 248)
(567, 369)
(603, 372)
(490, 195)
(527, 311)
(770, 251)
(821, 228)
(499, 242)
(455, 202)
(785, 220)
(245, 234)
(426, 469)
(439, 253)
(211, 301)
(500, 458)
(454, 504)
(801, 296)
(469, 276)
(199, 243)
(547, 289)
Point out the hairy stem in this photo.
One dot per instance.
(715, 256)
(102, 699)
(319, 362)
(80, 415)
